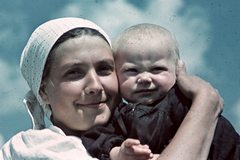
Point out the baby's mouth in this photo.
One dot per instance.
(145, 91)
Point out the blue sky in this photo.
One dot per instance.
(207, 32)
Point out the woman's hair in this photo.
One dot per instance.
(77, 32)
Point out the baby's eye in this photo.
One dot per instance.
(130, 70)
(158, 69)
(105, 70)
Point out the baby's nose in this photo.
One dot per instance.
(144, 78)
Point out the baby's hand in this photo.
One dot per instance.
(131, 149)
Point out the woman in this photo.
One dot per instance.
(73, 81)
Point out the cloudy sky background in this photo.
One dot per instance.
(207, 31)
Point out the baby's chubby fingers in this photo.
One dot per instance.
(130, 142)
(133, 147)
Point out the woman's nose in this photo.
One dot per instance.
(144, 78)
(93, 84)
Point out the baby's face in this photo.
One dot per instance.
(145, 70)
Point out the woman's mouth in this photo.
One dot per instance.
(96, 105)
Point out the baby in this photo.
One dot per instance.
(146, 56)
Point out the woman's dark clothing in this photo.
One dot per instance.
(155, 125)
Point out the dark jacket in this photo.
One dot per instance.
(155, 125)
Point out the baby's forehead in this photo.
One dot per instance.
(147, 45)
(145, 40)
(135, 46)
(145, 37)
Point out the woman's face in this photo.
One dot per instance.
(82, 87)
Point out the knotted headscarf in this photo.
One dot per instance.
(34, 57)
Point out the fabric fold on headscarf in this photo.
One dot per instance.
(34, 57)
(34, 110)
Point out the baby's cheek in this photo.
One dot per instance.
(169, 83)
(125, 92)
(125, 84)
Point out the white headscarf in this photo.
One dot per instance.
(34, 57)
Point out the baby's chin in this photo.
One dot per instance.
(144, 101)
(147, 102)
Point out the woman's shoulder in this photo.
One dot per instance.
(32, 136)
(49, 143)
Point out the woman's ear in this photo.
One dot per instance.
(43, 93)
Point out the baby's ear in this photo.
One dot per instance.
(43, 92)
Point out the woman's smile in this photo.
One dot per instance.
(96, 105)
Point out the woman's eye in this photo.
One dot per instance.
(105, 70)
(74, 74)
